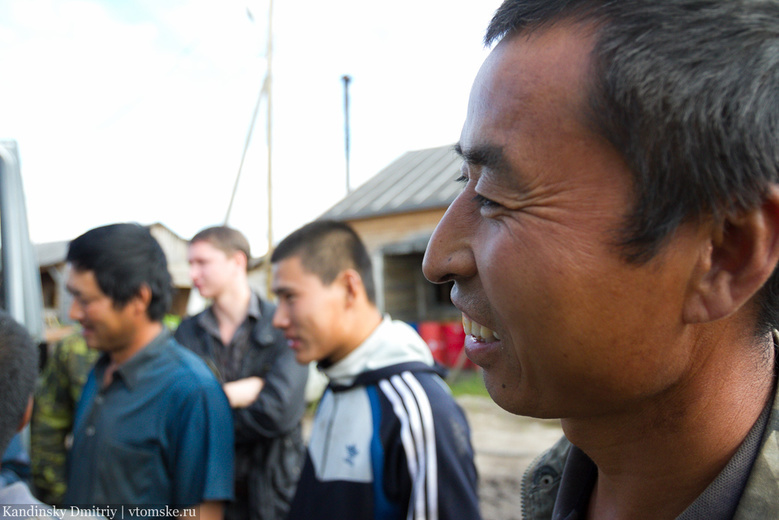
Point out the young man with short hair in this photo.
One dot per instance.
(259, 374)
(388, 441)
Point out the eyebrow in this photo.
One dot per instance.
(281, 291)
(485, 155)
(494, 160)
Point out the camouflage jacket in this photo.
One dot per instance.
(759, 500)
(59, 388)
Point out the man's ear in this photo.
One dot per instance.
(27, 415)
(741, 256)
(142, 299)
(353, 283)
(241, 259)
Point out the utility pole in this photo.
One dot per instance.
(245, 149)
(265, 92)
(268, 78)
(346, 79)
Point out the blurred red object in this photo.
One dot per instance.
(454, 338)
(433, 334)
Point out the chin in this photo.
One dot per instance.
(504, 401)
(303, 359)
(512, 398)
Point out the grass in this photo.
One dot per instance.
(464, 382)
(467, 382)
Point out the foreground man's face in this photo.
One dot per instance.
(563, 326)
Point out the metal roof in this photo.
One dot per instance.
(52, 253)
(418, 180)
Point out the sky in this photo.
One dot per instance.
(139, 110)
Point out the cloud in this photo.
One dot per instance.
(140, 110)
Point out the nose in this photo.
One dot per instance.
(75, 313)
(193, 271)
(281, 316)
(449, 255)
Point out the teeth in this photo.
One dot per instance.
(479, 331)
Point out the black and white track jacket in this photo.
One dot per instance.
(388, 442)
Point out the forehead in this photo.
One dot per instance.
(289, 274)
(82, 281)
(203, 248)
(534, 81)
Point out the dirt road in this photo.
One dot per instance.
(505, 445)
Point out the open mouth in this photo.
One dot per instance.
(479, 331)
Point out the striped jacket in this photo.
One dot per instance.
(388, 441)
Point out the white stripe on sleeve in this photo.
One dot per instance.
(412, 406)
(405, 431)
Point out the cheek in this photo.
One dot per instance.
(92, 313)
(98, 320)
(329, 322)
(206, 273)
(543, 301)
(523, 283)
(307, 317)
(324, 321)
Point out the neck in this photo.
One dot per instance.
(356, 330)
(232, 305)
(366, 324)
(655, 460)
(143, 335)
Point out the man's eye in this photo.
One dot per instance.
(481, 200)
(484, 202)
(83, 302)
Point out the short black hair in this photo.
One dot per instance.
(686, 91)
(326, 248)
(123, 258)
(18, 371)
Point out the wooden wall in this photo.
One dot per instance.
(377, 232)
(402, 288)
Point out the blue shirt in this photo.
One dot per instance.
(161, 433)
(15, 464)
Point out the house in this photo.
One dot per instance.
(395, 213)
